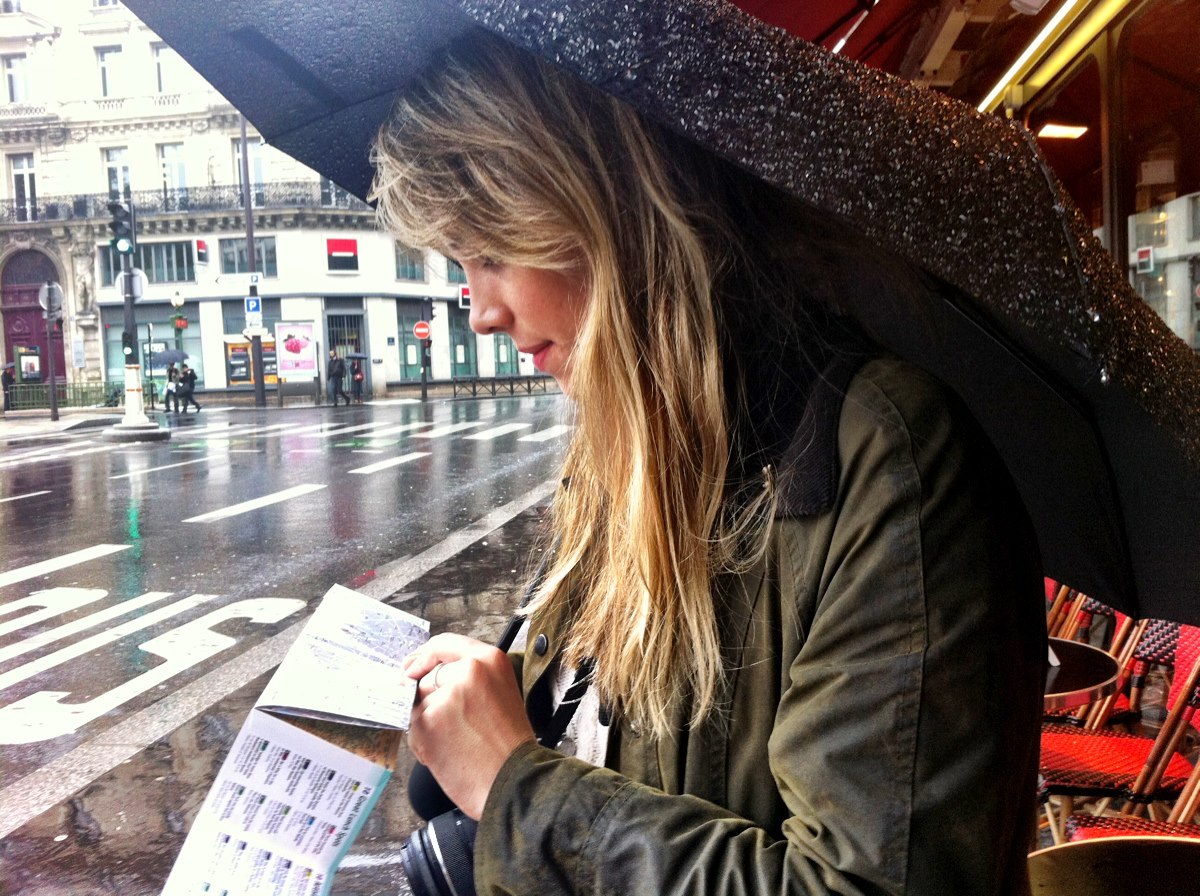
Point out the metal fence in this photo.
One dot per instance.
(217, 198)
(35, 396)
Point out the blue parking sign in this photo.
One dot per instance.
(253, 304)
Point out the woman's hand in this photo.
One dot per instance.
(469, 716)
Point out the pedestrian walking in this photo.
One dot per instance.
(171, 390)
(335, 373)
(356, 381)
(7, 379)
(187, 388)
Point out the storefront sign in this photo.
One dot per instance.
(296, 348)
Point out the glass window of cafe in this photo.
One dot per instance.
(1136, 89)
(1158, 82)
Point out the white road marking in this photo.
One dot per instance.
(22, 497)
(497, 431)
(393, 430)
(441, 431)
(265, 501)
(182, 463)
(46, 605)
(546, 435)
(124, 608)
(45, 567)
(57, 780)
(390, 462)
(43, 715)
(108, 636)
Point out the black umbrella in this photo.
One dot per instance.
(1093, 402)
(167, 356)
(357, 356)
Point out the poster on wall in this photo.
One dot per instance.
(239, 369)
(296, 350)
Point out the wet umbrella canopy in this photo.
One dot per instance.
(1093, 402)
(167, 356)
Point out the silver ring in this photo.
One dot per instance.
(436, 671)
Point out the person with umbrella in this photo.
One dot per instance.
(356, 380)
(792, 570)
(172, 388)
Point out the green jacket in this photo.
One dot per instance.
(886, 663)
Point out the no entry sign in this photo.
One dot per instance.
(421, 329)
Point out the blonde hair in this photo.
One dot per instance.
(499, 155)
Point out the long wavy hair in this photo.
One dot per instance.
(494, 154)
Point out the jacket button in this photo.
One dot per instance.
(541, 644)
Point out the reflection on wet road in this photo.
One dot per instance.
(147, 590)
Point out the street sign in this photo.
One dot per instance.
(137, 287)
(253, 304)
(50, 297)
(421, 329)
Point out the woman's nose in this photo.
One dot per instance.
(488, 312)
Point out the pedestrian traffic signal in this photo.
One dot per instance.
(122, 226)
(127, 344)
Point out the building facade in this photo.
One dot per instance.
(96, 108)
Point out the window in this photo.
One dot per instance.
(162, 262)
(333, 195)
(116, 165)
(254, 158)
(410, 264)
(234, 261)
(10, 6)
(16, 84)
(108, 61)
(174, 176)
(455, 272)
(166, 68)
(24, 186)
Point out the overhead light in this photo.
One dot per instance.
(858, 21)
(1057, 130)
(1035, 45)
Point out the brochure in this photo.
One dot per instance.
(311, 759)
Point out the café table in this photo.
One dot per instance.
(1117, 866)
(1083, 673)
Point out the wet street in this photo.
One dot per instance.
(148, 590)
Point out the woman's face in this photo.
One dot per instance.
(542, 311)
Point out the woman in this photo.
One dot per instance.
(801, 580)
(172, 389)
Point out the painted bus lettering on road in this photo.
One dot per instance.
(44, 715)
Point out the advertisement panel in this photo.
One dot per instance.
(296, 350)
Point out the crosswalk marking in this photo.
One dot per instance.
(390, 462)
(497, 431)
(546, 434)
(440, 431)
(265, 501)
(44, 567)
(26, 495)
(182, 463)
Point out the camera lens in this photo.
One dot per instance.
(438, 858)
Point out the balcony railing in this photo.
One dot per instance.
(220, 198)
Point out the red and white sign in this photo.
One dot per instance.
(1145, 259)
(421, 329)
(342, 254)
(464, 297)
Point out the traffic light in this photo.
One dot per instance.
(127, 345)
(123, 239)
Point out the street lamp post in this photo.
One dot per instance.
(177, 303)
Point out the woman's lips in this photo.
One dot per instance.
(539, 355)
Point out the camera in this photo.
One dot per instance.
(438, 858)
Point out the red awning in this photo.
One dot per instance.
(877, 32)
